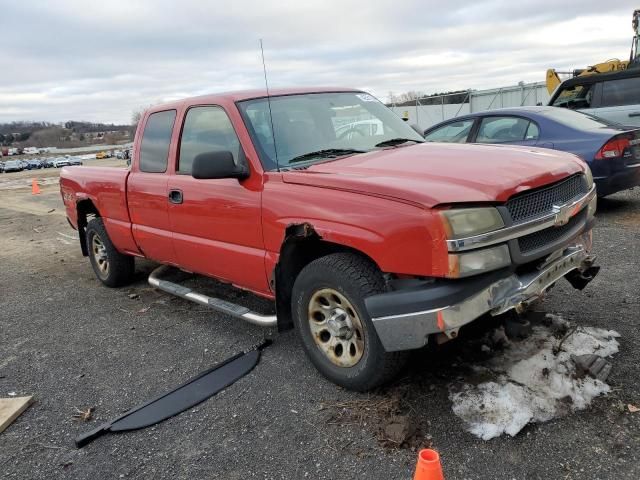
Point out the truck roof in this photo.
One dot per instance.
(239, 95)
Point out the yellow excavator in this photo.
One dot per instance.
(613, 65)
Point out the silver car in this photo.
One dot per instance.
(61, 162)
(612, 96)
(13, 166)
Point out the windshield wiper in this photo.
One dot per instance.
(326, 153)
(396, 141)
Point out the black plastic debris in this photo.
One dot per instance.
(185, 396)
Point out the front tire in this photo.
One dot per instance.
(110, 266)
(334, 326)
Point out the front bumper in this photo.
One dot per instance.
(404, 319)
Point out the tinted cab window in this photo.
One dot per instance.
(156, 139)
(454, 132)
(625, 91)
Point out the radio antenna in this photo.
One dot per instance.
(266, 84)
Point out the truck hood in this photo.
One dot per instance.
(430, 174)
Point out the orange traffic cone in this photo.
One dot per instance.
(428, 467)
(35, 189)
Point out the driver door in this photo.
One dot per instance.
(216, 223)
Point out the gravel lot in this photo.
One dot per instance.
(73, 343)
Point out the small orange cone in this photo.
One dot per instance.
(428, 467)
(35, 189)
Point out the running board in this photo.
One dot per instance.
(217, 304)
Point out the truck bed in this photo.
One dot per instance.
(106, 188)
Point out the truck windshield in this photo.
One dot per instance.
(309, 128)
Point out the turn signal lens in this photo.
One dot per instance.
(478, 261)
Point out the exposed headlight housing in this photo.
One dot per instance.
(478, 261)
(591, 208)
(589, 176)
(467, 222)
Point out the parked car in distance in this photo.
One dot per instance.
(61, 162)
(101, 155)
(33, 164)
(75, 161)
(613, 96)
(120, 154)
(611, 150)
(370, 246)
(47, 162)
(13, 166)
(1, 167)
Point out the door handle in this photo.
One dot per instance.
(175, 196)
(634, 114)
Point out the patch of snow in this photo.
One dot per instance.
(531, 382)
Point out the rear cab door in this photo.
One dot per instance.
(147, 192)
(618, 101)
(216, 223)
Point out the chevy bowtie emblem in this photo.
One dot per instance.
(563, 214)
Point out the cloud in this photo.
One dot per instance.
(99, 61)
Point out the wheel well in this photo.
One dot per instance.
(302, 245)
(85, 209)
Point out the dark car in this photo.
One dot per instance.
(33, 164)
(611, 150)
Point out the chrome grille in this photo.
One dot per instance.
(549, 236)
(540, 202)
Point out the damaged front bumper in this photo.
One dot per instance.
(404, 319)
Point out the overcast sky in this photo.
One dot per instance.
(99, 61)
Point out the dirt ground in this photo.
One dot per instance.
(75, 344)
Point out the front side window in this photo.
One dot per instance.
(455, 132)
(505, 129)
(625, 91)
(578, 96)
(156, 139)
(206, 129)
(331, 123)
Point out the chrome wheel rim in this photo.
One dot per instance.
(336, 327)
(100, 255)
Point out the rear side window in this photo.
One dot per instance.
(156, 139)
(206, 129)
(455, 132)
(506, 129)
(625, 91)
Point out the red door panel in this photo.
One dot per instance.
(148, 207)
(217, 230)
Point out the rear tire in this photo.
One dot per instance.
(334, 326)
(110, 266)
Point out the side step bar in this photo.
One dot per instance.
(217, 304)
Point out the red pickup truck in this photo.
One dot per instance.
(370, 242)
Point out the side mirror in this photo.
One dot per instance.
(210, 165)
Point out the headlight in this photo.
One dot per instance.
(467, 222)
(478, 261)
(589, 176)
